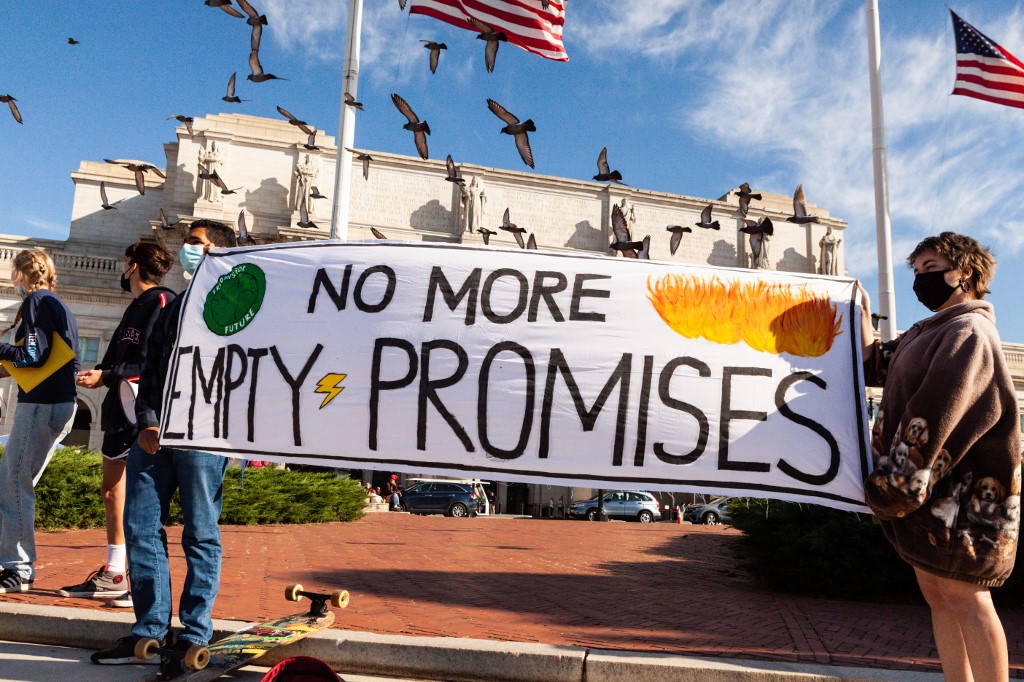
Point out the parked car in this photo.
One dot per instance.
(708, 513)
(629, 505)
(441, 497)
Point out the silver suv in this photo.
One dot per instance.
(628, 505)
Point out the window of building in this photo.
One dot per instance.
(88, 350)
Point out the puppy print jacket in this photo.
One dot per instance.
(946, 446)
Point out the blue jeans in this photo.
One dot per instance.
(150, 483)
(37, 429)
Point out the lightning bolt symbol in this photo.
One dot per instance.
(329, 385)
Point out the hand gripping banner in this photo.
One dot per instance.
(533, 366)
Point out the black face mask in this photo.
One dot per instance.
(126, 282)
(932, 290)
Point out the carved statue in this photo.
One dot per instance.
(210, 159)
(759, 251)
(473, 200)
(306, 174)
(829, 252)
(629, 211)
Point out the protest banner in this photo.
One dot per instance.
(533, 366)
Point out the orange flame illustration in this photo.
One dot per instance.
(770, 317)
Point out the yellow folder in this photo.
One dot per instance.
(30, 377)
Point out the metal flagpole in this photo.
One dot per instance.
(347, 123)
(883, 232)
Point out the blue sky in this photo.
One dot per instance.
(690, 96)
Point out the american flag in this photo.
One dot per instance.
(526, 23)
(984, 69)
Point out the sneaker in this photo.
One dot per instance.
(11, 581)
(123, 602)
(172, 667)
(100, 583)
(122, 653)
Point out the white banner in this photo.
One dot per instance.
(533, 366)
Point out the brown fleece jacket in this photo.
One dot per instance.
(946, 446)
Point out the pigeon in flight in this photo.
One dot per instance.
(377, 233)
(531, 243)
(677, 236)
(302, 125)
(454, 174)
(257, 75)
(435, 52)
(745, 196)
(213, 177)
(705, 219)
(420, 129)
(315, 194)
(876, 318)
(182, 118)
(311, 141)
(140, 170)
(72, 41)
(800, 209)
(516, 231)
(604, 173)
(516, 129)
(14, 107)
(486, 234)
(230, 96)
(644, 253)
(103, 198)
(226, 6)
(492, 38)
(166, 224)
(243, 232)
(351, 102)
(755, 227)
(257, 21)
(623, 240)
(366, 159)
(304, 220)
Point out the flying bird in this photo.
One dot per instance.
(103, 198)
(509, 226)
(531, 243)
(604, 172)
(420, 129)
(315, 194)
(762, 226)
(705, 219)
(257, 21)
(302, 125)
(876, 318)
(311, 141)
(257, 75)
(213, 177)
(366, 159)
(166, 224)
(243, 232)
(623, 240)
(377, 233)
(800, 209)
(182, 118)
(454, 174)
(351, 102)
(745, 196)
(644, 253)
(435, 52)
(140, 170)
(486, 234)
(14, 107)
(492, 38)
(304, 220)
(230, 96)
(72, 41)
(226, 6)
(516, 129)
(677, 236)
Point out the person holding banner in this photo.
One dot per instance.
(946, 483)
(146, 265)
(43, 360)
(152, 476)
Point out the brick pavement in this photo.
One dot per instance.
(659, 587)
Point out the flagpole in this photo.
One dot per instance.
(883, 231)
(347, 123)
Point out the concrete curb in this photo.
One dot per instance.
(448, 658)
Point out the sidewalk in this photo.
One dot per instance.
(659, 588)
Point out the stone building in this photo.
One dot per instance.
(273, 174)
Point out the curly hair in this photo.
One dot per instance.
(35, 269)
(963, 252)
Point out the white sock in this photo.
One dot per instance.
(116, 558)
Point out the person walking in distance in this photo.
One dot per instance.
(144, 269)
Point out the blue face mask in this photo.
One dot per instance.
(190, 255)
(21, 292)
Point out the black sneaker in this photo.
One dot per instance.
(101, 583)
(171, 667)
(11, 581)
(122, 653)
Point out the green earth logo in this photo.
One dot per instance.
(235, 299)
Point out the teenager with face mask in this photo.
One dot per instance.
(946, 448)
(43, 327)
(153, 475)
(144, 269)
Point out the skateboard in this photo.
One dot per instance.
(205, 663)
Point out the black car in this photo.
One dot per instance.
(450, 499)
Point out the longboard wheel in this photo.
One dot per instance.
(146, 648)
(197, 657)
(293, 592)
(339, 599)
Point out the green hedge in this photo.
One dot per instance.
(813, 550)
(67, 495)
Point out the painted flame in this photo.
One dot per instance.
(770, 317)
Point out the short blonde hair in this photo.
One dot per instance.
(962, 251)
(36, 269)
